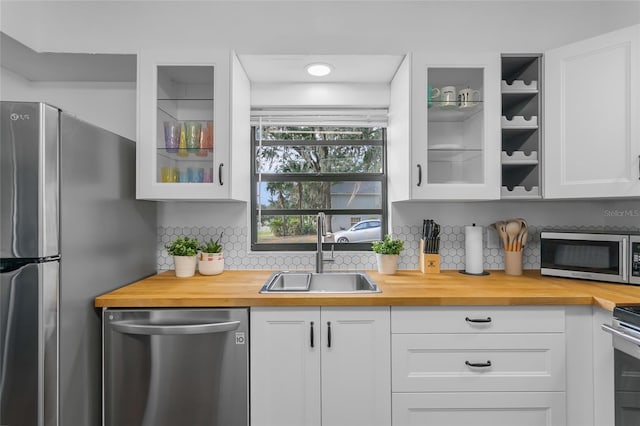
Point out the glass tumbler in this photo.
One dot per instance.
(192, 136)
(172, 135)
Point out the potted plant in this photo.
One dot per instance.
(184, 251)
(211, 258)
(387, 252)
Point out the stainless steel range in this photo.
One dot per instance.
(625, 330)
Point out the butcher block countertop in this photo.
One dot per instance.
(405, 288)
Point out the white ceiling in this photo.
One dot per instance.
(346, 68)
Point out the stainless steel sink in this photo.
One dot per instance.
(326, 282)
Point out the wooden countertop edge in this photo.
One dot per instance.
(407, 288)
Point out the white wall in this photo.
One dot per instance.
(600, 213)
(303, 27)
(111, 106)
(289, 27)
(310, 27)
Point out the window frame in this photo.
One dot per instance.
(311, 177)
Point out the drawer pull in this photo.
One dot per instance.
(478, 320)
(478, 364)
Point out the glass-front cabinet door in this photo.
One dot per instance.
(455, 127)
(183, 125)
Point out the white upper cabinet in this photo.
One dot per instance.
(454, 127)
(592, 136)
(185, 135)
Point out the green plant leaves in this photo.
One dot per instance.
(388, 245)
(183, 246)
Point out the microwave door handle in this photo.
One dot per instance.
(127, 327)
(625, 258)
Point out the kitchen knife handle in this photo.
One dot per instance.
(220, 174)
(478, 364)
(419, 174)
(478, 320)
(311, 333)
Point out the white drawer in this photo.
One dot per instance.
(440, 362)
(477, 319)
(479, 409)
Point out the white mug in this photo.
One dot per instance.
(468, 98)
(448, 96)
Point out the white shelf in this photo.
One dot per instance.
(519, 158)
(519, 86)
(520, 192)
(453, 155)
(453, 113)
(192, 157)
(519, 122)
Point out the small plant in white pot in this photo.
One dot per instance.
(211, 258)
(387, 252)
(184, 251)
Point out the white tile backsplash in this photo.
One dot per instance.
(614, 215)
(237, 255)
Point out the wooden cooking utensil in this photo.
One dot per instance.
(501, 228)
(522, 235)
(513, 229)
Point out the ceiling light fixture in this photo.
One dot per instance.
(319, 69)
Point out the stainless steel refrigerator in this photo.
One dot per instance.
(70, 229)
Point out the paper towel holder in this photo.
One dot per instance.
(464, 271)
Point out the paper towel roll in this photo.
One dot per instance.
(473, 249)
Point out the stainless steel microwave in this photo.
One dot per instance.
(600, 256)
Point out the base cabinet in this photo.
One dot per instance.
(317, 366)
(480, 409)
(481, 366)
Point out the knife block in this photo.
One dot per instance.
(429, 262)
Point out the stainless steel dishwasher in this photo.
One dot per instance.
(173, 367)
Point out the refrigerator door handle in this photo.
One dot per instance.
(13, 264)
(129, 327)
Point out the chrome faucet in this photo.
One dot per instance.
(320, 260)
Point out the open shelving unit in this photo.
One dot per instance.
(521, 125)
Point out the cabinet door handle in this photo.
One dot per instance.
(311, 333)
(328, 334)
(478, 364)
(638, 166)
(419, 174)
(220, 174)
(478, 320)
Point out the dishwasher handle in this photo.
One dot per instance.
(130, 327)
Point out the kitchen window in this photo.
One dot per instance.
(299, 170)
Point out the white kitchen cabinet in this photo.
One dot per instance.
(478, 362)
(320, 366)
(603, 369)
(592, 131)
(479, 409)
(484, 365)
(191, 91)
(453, 130)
